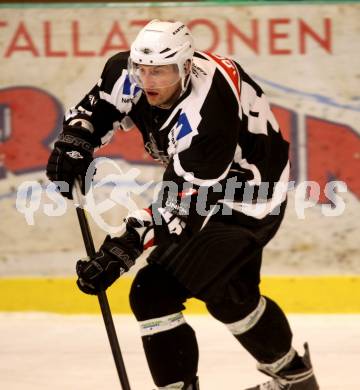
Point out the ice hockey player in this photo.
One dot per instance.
(222, 200)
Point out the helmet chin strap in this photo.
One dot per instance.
(185, 80)
(184, 84)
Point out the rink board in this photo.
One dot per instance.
(295, 294)
(298, 52)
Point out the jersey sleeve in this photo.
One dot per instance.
(202, 157)
(262, 154)
(105, 107)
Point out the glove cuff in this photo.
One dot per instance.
(122, 249)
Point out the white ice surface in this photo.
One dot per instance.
(47, 351)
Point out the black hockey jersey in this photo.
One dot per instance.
(221, 134)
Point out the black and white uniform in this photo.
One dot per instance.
(220, 136)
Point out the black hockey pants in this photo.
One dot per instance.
(229, 289)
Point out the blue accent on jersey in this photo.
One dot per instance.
(127, 87)
(185, 126)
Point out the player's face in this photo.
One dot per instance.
(161, 84)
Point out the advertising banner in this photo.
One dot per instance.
(305, 57)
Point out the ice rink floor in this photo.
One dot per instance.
(41, 351)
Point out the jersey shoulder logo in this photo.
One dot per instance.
(184, 125)
(178, 134)
(127, 87)
(228, 69)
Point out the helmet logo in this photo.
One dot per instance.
(146, 50)
(178, 29)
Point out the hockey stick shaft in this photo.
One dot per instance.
(103, 301)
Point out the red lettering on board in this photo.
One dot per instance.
(333, 153)
(305, 30)
(115, 33)
(21, 34)
(49, 52)
(251, 41)
(211, 27)
(275, 36)
(76, 42)
(287, 120)
(33, 119)
(140, 23)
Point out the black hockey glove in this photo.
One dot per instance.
(142, 222)
(70, 158)
(115, 257)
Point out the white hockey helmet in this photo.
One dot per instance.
(162, 43)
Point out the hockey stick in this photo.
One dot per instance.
(103, 301)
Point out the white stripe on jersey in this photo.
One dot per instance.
(261, 209)
(189, 176)
(256, 180)
(257, 109)
(105, 96)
